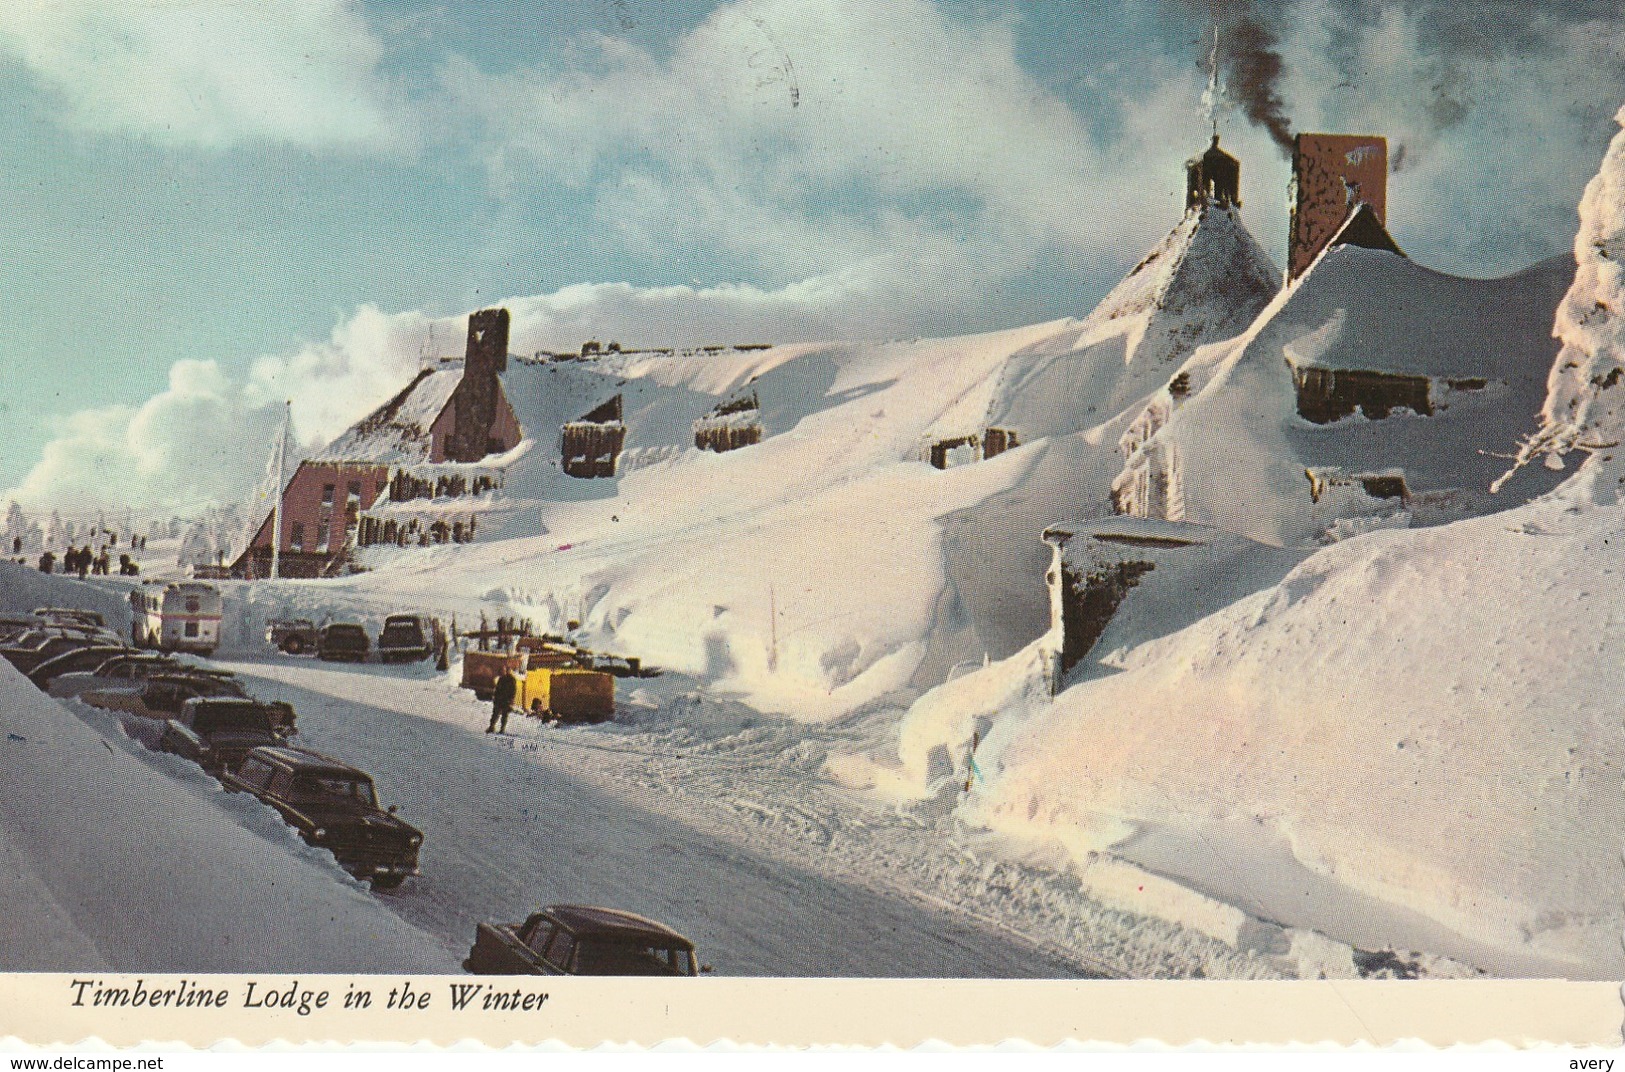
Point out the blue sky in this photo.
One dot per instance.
(210, 207)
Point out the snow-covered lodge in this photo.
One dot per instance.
(421, 444)
(451, 456)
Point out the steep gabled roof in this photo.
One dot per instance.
(398, 431)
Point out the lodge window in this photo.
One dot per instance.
(296, 541)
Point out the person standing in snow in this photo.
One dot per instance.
(507, 687)
(47, 562)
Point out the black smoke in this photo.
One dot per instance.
(1457, 37)
(1250, 62)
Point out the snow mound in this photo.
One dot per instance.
(1429, 782)
(23, 588)
(132, 861)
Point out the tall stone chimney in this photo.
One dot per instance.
(474, 402)
(1332, 176)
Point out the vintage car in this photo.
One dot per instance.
(333, 806)
(176, 616)
(216, 733)
(581, 940)
(71, 614)
(29, 650)
(162, 695)
(404, 638)
(79, 659)
(343, 642)
(296, 636)
(129, 672)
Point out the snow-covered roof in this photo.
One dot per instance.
(398, 431)
(1234, 450)
(1204, 281)
(1134, 530)
(1381, 312)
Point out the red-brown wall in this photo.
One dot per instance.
(302, 503)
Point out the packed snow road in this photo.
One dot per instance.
(513, 823)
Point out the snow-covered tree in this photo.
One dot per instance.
(1585, 398)
(197, 546)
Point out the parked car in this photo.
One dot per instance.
(162, 696)
(405, 637)
(30, 649)
(333, 806)
(581, 940)
(343, 642)
(76, 629)
(128, 672)
(71, 614)
(296, 636)
(86, 658)
(217, 733)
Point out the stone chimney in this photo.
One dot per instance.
(1332, 176)
(474, 402)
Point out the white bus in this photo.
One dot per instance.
(176, 616)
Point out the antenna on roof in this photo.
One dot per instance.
(1210, 99)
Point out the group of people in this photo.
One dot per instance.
(84, 562)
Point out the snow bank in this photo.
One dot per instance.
(116, 858)
(1426, 718)
(23, 588)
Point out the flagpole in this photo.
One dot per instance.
(276, 504)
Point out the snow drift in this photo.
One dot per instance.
(1413, 739)
(120, 859)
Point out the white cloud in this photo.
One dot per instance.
(209, 74)
(775, 129)
(206, 437)
(185, 447)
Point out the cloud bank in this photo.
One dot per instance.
(206, 438)
(209, 75)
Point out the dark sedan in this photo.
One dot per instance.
(343, 642)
